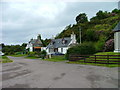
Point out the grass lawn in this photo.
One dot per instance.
(19, 55)
(107, 53)
(100, 58)
(56, 58)
(5, 59)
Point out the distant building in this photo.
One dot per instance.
(35, 44)
(1, 53)
(61, 45)
(117, 38)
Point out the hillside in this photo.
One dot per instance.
(98, 30)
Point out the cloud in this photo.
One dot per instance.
(22, 21)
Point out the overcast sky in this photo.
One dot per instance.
(21, 21)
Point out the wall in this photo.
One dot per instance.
(117, 42)
(63, 50)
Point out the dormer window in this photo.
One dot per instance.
(63, 41)
(53, 42)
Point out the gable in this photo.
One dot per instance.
(117, 27)
(36, 42)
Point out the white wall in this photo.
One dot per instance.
(63, 50)
(31, 49)
(59, 50)
(117, 42)
(43, 48)
(30, 46)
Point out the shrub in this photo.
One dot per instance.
(17, 53)
(31, 54)
(109, 45)
(99, 46)
(82, 49)
(43, 54)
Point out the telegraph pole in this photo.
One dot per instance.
(80, 33)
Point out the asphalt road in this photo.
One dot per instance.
(33, 73)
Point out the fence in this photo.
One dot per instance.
(99, 59)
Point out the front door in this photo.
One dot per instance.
(56, 50)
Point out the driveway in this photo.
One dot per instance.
(33, 73)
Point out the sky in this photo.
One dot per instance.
(22, 20)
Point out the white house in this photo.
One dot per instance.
(60, 45)
(117, 38)
(35, 44)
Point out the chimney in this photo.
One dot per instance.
(73, 37)
(39, 36)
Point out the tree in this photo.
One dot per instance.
(102, 15)
(81, 18)
(116, 11)
(24, 45)
(46, 41)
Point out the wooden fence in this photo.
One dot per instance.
(99, 59)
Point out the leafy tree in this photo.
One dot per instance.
(102, 15)
(81, 18)
(90, 35)
(46, 42)
(12, 49)
(117, 11)
(24, 45)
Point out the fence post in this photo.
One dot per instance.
(108, 59)
(84, 59)
(95, 58)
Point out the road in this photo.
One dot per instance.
(33, 73)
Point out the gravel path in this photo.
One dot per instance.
(33, 73)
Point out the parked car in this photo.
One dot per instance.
(57, 53)
(1, 54)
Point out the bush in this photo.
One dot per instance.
(99, 46)
(31, 54)
(86, 48)
(109, 45)
(43, 54)
(17, 53)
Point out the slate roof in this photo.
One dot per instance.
(36, 42)
(56, 43)
(117, 27)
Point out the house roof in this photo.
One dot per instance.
(56, 43)
(36, 42)
(117, 27)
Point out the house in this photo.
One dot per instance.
(61, 45)
(35, 44)
(1, 53)
(117, 38)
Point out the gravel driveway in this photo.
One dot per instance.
(33, 73)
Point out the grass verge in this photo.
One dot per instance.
(5, 59)
(19, 55)
(56, 58)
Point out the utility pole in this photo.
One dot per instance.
(80, 33)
